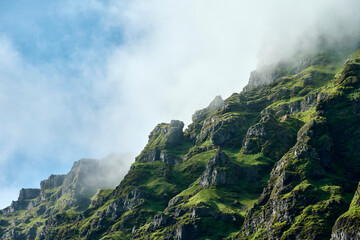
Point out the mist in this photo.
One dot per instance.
(110, 171)
(104, 84)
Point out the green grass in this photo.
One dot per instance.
(307, 115)
(302, 187)
(52, 190)
(322, 200)
(179, 150)
(238, 157)
(201, 158)
(188, 171)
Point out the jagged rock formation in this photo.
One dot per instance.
(347, 225)
(56, 194)
(219, 170)
(163, 139)
(266, 75)
(54, 181)
(26, 200)
(201, 115)
(279, 160)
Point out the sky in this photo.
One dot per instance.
(84, 79)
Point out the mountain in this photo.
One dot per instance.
(279, 160)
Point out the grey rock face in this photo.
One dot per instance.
(163, 137)
(28, 193)
(259, 78)
(281, 201)
(220, 170)
(176, 135)
(347, 226)
(161, 219)
(28, 198)
(221, 131)
(150, 156)
(267, 75)
(79, 181)
(197, 212)
(47, 231)
(172, 133)
(348, 234)
(291, 108)
(159, 155)
(124, 204)
(201, 115)
(270, 137)
(186, 231)
(86, 177)
(52, 182)
(175, 200)
(13, 234)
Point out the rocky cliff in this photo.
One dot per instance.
(279, 160)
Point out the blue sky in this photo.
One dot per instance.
(42, 33)
(89, 78)
(47, 103)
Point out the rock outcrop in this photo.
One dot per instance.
(201, 115)
(28, 194)
(27, 199)
(271, 137)
(294, 107)
(219, 170)
(259, 78)
(347, 226)
(266, 75)
(277, 161)
(162, 143)
(54, 181)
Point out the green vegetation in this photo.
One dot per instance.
(277, 161)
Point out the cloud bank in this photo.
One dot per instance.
(94, 78)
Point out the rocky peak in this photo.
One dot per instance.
(28, 197)
(176, 135)
(266, 74)
(83, 180)
(216, 104)
(167, 135)
(52, 182)
(350, 75)
(163, 138)
(28, 193)
(160, 129)
(259, 78)
(297, 138)
(202, 114)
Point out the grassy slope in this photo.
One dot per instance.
(160, 182)
(318, 197)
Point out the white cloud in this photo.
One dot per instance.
(174, 58)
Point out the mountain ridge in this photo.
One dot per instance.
(266, 163)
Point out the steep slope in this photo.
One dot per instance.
(58, 194)
(347, 225)
(279, 160)
(312, 184)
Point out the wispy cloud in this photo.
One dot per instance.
(89, 78)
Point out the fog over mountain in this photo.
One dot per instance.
(86, 79)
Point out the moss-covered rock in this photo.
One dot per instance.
(166, 143)
(347, 226)
(279, 160)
